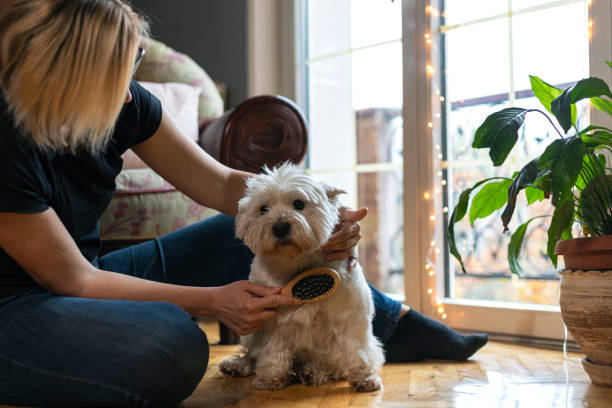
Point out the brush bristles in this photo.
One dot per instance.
(313, 285)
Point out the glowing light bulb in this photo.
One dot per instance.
(432, 243)
(430, 124)
(441, 99)
(444, 316)
(432, 217)
(445, 210)
(431, 273)
(429, 69)
(430, 291)
(428, 9)
(426, 195)
(443, 182)
(440, 310)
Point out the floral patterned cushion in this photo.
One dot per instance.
(141, 181)
(147, 216)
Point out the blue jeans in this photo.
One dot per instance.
(65, 351)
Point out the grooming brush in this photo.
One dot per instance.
(313, 285)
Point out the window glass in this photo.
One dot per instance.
(486, 71)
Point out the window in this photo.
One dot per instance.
(405, 151)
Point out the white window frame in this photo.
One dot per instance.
(423, 291)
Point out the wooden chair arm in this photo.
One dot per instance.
(263, 130)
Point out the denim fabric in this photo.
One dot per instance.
(63, 351)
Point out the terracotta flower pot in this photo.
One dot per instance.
(586, 254)
(586, 301)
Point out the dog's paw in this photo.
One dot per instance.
(270, 383)
(309, 376)
(366, 384)
(236, 367)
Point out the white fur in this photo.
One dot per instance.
(328, 340)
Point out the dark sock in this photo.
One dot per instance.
(418, 337)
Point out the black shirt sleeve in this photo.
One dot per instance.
(21, 188)
(21, 191)
(139, 119)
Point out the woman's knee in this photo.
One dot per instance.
(173, 358)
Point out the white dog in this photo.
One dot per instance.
(285, 218)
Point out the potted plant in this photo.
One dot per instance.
(573, 173)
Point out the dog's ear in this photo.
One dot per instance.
(332, 192)
(240, 222)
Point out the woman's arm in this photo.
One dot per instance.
(44, 248)
(191, 170)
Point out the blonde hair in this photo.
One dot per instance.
(65, 68)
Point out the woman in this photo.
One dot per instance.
(79, 330)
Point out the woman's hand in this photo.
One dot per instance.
(244, 306)
(346, 236)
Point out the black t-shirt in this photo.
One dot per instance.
(77, 186)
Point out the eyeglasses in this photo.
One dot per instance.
(141, 53)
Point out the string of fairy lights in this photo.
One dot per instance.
(432, 124)
(434, 249)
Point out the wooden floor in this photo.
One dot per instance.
(500, 375)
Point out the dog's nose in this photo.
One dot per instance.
(281, 229)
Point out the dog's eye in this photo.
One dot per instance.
(263, 209)
(298, 205)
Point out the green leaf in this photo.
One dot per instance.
(564, 160)
(458, 213)
(609, 64)
(534, 194)
(499, 132)
(589, 170)
(491, 197)
(588, 88)
(515, 245)
(546, 93)
(585, 88)
(528, 174)
(560, 226)
(590, 128)
(597, 140)
(602, 104)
